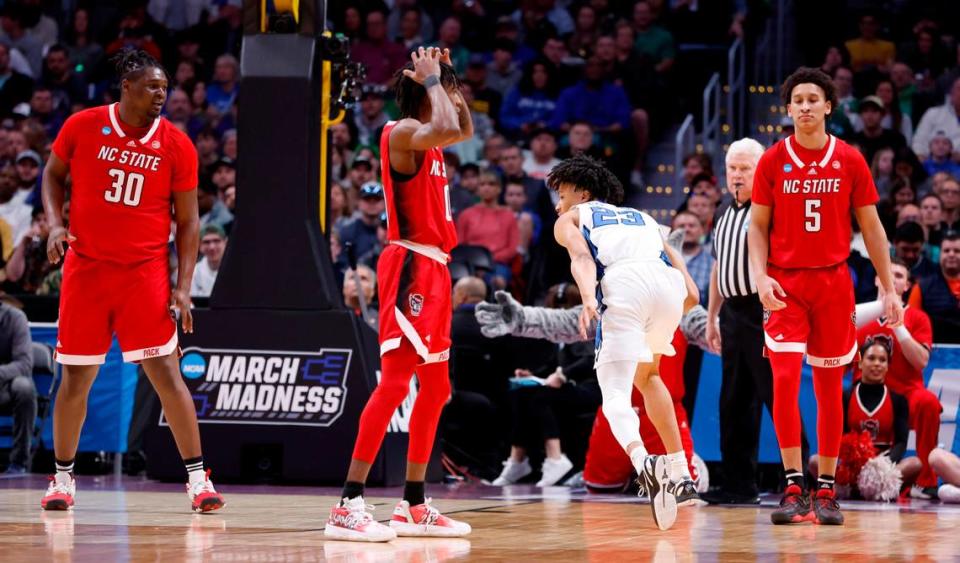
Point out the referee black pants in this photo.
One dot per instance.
(746, 387)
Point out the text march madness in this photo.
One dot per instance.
(266, 387)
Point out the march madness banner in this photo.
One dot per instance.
(261, 387)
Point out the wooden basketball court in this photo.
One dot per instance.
(138, 520)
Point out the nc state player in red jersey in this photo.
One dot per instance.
(128, 166)
(415, 308)
(804, 191)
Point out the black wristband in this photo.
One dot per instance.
(431, 81)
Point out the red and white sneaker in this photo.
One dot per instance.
(352, 520)
(203, 497)
(60, 493)
(424, 520)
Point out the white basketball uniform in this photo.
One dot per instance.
(640, 295)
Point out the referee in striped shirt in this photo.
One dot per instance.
(747, 380)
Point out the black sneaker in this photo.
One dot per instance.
(794, 507)
(656, 480)
(686, 493)
(826, 508)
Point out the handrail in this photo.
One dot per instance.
(711, 115)
(685, 141)
(736, 82)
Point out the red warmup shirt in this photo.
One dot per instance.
(901, 376)
(123, 178)
(418, 208)
(812, 194)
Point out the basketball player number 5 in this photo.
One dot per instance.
(125, 187)
(812, 214)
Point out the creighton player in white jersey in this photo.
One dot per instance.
(622, 267)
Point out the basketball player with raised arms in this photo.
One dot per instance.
(129, 167)
(414, 292)
(804, 191)
(638, 288)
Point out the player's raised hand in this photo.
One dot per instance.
(587, 315)
(769, 290)
(892, 309)
(426, 62)
(57, 244)
(180, 303)
(445, 57)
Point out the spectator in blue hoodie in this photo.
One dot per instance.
(530, 104)
(601, 103)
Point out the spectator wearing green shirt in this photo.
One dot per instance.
(652, 41)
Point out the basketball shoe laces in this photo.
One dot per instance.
(55, 487)
(204, 486)
(431, 515)
(359, 514)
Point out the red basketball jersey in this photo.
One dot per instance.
(123, 176)
(901, 377)
(418, 209)
(878, 422)
(812, 194)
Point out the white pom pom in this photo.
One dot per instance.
(880, 479)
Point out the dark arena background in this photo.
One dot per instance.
(285, 101)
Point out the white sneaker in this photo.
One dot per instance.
(512, 472)
(60, 492)
(949, 493)
(203, 497)
(656, 480)
(352, 520)
(553, 470)
(423, 520)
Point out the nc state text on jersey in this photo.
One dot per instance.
(129, 158)
(815, 186)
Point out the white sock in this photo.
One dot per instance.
(637, 457)
(195, 471)
(64, 472)
(678, 466)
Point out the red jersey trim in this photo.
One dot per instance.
(823, 162)
(112, 112)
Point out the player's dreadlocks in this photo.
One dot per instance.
(807, 75)
(410, 94)
(587, 173)
(130, 63)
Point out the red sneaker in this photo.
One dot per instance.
(60, 493)
(352, 520)
(203, 497)
(424, 520)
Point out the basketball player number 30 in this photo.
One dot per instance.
(126, 187)
(812, 214)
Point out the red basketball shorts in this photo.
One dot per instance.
(414, 292)
(98, 299)
(819, 319)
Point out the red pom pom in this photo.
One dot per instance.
(856, 448)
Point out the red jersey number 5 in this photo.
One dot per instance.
(812, 223)
(126, 187)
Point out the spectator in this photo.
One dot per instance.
(15, 87)
(28, 165)
(494, 227)
(909, 213)
(85, 53)
(409, 32)
(868, 51)
(222, 91)
(832, 60)
(463, 194)
(223, 173)
(926, 54)
(491, 151)
(213, 243)
(538, 196)
(541, 158)
(706, 184)
(939, 119)
(653, 42)
(907, 166)
(207, 147)
(949, 192)
(901, 193)
(16, 384)
(449, 38)
(602, 104)
(529, 106)
(873, 135)
(703, 208)
(368, 281)
(42, 111)
(528, 224)
(340, 211)
(372, 256)
(381, 56)
(698, 259)
(554, 54)
(556, 16)
(352, 24)
(941, 156)
(212, 209)
(881, 169)
(486, 100)
(17, 36)
(482, 121)
(371, 118)
(938, 293)
(695, 164)
(361, 231)
(28, 266)
(910, 100)
(58, 76)
(16, 214)
(931, 219)
(908, 241)
(180, 109)
(585, 33)
(893, 117)
(503, 73)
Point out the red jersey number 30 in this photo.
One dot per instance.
(126, 187)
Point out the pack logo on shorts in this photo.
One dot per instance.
(416, 304)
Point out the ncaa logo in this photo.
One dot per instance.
(106, 130)
(416, 304)
(788, 168)
(193, 366)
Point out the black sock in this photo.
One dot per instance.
(352, 489)
(825, 482)
(193, 464)
(65, 466)
(413, 493)
(794, 477)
